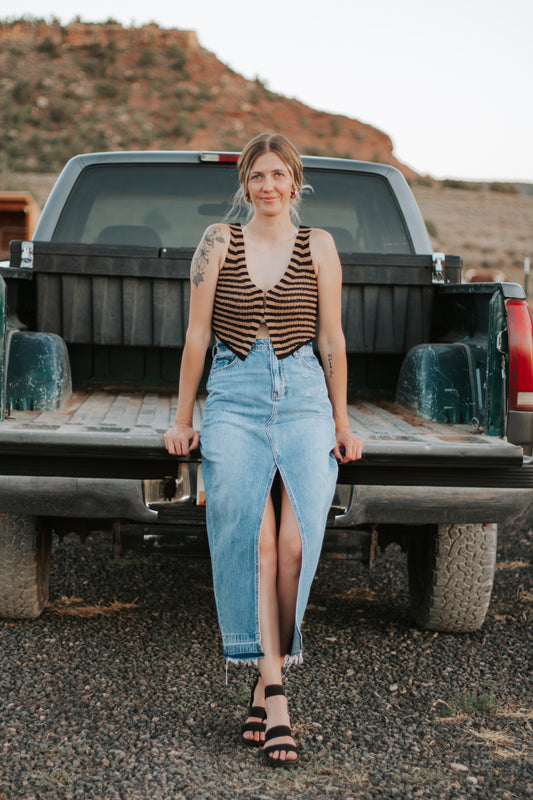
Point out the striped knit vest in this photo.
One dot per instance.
(290, 307)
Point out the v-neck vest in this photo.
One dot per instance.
(289, 308)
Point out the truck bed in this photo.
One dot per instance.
(119, 434)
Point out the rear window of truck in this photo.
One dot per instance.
(170, 205)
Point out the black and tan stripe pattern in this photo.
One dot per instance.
(290, 307)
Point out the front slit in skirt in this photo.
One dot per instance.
(263, 415)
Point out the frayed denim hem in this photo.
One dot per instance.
(245, 662)
(293, 661)
(289, 661)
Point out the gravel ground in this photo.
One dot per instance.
(119, 691)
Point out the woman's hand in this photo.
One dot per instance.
(181, 439)
(352, 446)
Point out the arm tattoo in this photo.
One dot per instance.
(330, 365)
(201, 257)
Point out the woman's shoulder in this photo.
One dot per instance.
(321, 241)
(217, 232)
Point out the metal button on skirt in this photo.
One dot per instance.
(263, 415)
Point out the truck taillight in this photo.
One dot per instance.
(219, 157)
(520, 332)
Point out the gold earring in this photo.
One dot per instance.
(293, 195)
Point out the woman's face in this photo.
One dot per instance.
(270, 185)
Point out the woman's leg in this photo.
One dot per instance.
(270, 669)
(289, 566)
(280, 561)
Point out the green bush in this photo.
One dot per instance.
(470, 703)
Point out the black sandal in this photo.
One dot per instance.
(274, 733)
(254, 711)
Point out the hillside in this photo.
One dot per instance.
(90, 87)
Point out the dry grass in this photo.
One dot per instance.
(518, 713)
(77, 607)
(505, 746)
(356, 593)
(525, 595)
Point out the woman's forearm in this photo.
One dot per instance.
(333, 355)
(192, 367)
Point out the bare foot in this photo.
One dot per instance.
(278, 714)
(253, 730)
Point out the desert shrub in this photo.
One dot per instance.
(504, 188)
(22, 92)
(90, 67)
(147, 58)
(17, 115)
(61, 110)
(49, 47)
(178, 57)
(183, 127)
(100, 58)
(204, 92)
(425, 180)
(107, 89)
(336, 126)
(254, 96)
(470, 186)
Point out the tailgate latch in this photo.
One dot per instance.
(438, 267)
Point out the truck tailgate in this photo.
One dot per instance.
(120, 435)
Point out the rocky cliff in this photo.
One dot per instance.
(90, 87)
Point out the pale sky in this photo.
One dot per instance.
(450, 83)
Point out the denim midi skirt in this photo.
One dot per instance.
(263, 415)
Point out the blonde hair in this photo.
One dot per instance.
(268, 143)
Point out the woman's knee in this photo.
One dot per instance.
(290, 551)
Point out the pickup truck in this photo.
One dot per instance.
(93, 318)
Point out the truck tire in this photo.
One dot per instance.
(451, 573)
(24, 567)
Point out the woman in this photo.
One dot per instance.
(273, 417)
